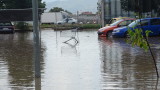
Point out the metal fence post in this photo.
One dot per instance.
(36, 38)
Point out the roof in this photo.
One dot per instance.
(17, 14)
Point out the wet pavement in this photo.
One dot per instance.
(92, 64)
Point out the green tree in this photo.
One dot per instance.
(68, 12)
(56, 9)
(42, 4)
(19, 4)
(140, 5)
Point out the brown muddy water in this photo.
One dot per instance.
(92, 64)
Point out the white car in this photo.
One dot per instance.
(67, 20)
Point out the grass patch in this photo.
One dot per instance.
(70, 26)
(90, 26)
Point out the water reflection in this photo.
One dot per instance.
(37, 83)
(17, 52)
(69, 49)
(92, 64)
(124, 67)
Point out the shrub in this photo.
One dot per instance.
(90, 26)
(22, 26)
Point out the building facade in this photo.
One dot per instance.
(86, 17)
(109, 9)
(127, 8)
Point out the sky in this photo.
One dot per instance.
(53, 0)
(48, 0)
(71, 5)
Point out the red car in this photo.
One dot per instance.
(107, 31)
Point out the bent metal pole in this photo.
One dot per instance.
(36, 38)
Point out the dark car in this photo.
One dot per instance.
(152, 24)
(6, 27)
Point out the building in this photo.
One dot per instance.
(86, 13)
(109, 9)
(87, 17)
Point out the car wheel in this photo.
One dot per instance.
(109, 34)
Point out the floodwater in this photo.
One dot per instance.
(91, 64)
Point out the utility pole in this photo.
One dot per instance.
(115, 8)
(36, 38)
(103, 12)
(110, 12)
(77, 16)
(128, 8)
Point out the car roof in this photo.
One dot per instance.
(128, 19)
(150, 18)
(120, 17)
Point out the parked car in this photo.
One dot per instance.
(107, 31)
(115, 19)
(6, 27)
(152, 24)
(67, 20)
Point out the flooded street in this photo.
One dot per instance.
(91, 64)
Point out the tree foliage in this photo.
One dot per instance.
(56, 9)
(140, 5)
(68, 12)
(19, 4)
(137, 38)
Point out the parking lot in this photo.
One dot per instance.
(94, 63)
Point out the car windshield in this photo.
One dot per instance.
(133, 24)
(115, 23)
(112, 21)
(5, 24)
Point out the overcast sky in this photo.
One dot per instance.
(71, 5)
(52, 0)
(48, 0)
